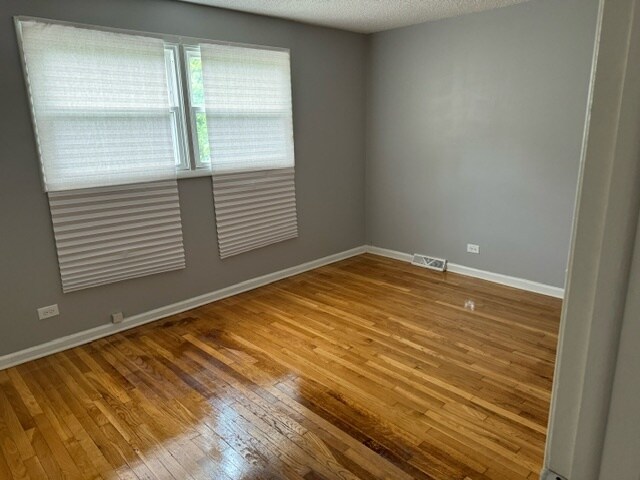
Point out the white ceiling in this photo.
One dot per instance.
(364, 16)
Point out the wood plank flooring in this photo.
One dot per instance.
(368, 368)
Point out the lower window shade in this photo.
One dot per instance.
(254, 209)
(107, 234)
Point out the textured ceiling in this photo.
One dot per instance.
(365, 16)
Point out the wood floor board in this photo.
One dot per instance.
(369, 368)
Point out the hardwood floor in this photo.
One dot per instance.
(368, 368)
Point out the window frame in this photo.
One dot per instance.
(178, 115)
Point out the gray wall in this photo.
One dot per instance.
(328, 68)
(474, 134)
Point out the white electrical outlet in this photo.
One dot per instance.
(117, 317)
(471, 248)
(48, 312)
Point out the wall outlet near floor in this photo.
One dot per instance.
(471, 248)
(48, 312)
(117, 317)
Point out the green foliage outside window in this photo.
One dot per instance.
(197, 99)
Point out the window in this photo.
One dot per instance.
(101, 106)
(235, 117)
(247, 99)
(115, 127)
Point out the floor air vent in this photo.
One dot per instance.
(439, 264)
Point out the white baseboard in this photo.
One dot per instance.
(507, 280)
(385, 252)
(87, 336)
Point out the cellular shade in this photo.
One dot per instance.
(101, 106)
(247, 97)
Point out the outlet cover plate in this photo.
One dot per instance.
(48, 311)
(472, 248)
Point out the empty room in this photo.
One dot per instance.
(317, 240)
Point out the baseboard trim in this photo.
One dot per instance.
(87, 336)
(507, 280)
(385, 252)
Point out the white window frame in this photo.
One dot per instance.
(176, 97)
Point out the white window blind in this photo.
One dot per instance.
(247, 100)
(254, 209)
(101, 106)
(247, 97)
(104, 235)
(107, 134)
